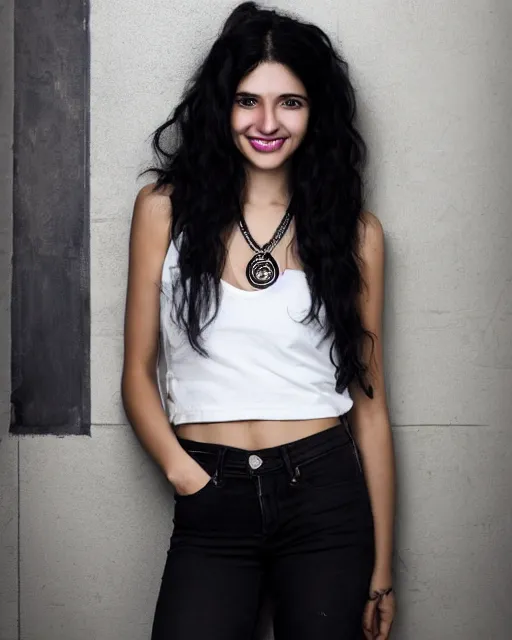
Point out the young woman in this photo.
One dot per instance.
(253, 261)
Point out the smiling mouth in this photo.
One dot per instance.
(261, 144)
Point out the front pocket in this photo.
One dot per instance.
(208, 462)
(202, 490)
(337, 466)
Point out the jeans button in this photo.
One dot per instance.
(255, 462)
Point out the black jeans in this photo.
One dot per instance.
(295, 519)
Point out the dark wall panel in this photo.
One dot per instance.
(50, 287)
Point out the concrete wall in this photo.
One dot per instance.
(8, 446)
(436, 108)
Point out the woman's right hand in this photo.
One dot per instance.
(188, 476)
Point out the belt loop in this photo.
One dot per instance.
(217, 477)
(293, 473)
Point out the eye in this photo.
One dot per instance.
(246, 102)
(292, 103)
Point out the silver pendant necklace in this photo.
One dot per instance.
(262, 269)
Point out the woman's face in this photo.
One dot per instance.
(270, 115)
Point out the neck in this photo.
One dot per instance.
(266, 188)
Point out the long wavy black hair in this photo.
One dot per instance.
(196, 154)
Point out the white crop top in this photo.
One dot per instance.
(262, 365)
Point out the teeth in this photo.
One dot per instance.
(267, 143)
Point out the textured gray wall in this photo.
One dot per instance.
(8, 446)
(436, 108)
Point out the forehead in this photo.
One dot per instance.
(271, 78)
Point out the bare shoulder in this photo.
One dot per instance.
(153, 206)
(371, 219)
(371, 236)
(150, 232)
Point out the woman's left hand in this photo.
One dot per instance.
(379, 613)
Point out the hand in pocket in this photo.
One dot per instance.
(189, 477)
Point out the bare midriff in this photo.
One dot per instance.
(254, 434)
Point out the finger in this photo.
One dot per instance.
(376, 624)
(369, 620)
(384, 629)
(369, 615)
(385, 621)
(368, 635)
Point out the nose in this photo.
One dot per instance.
(268, 123)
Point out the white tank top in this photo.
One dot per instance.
(262, 365)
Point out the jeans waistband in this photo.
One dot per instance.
(261, 461)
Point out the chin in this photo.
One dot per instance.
(265, 161)
(267, 165)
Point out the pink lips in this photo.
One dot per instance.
(266, 146)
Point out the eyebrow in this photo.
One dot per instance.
(247, 94)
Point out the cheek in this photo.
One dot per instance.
(240, 121)
(297, 124)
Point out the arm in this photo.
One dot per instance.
(369, 417)
(149, 240)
